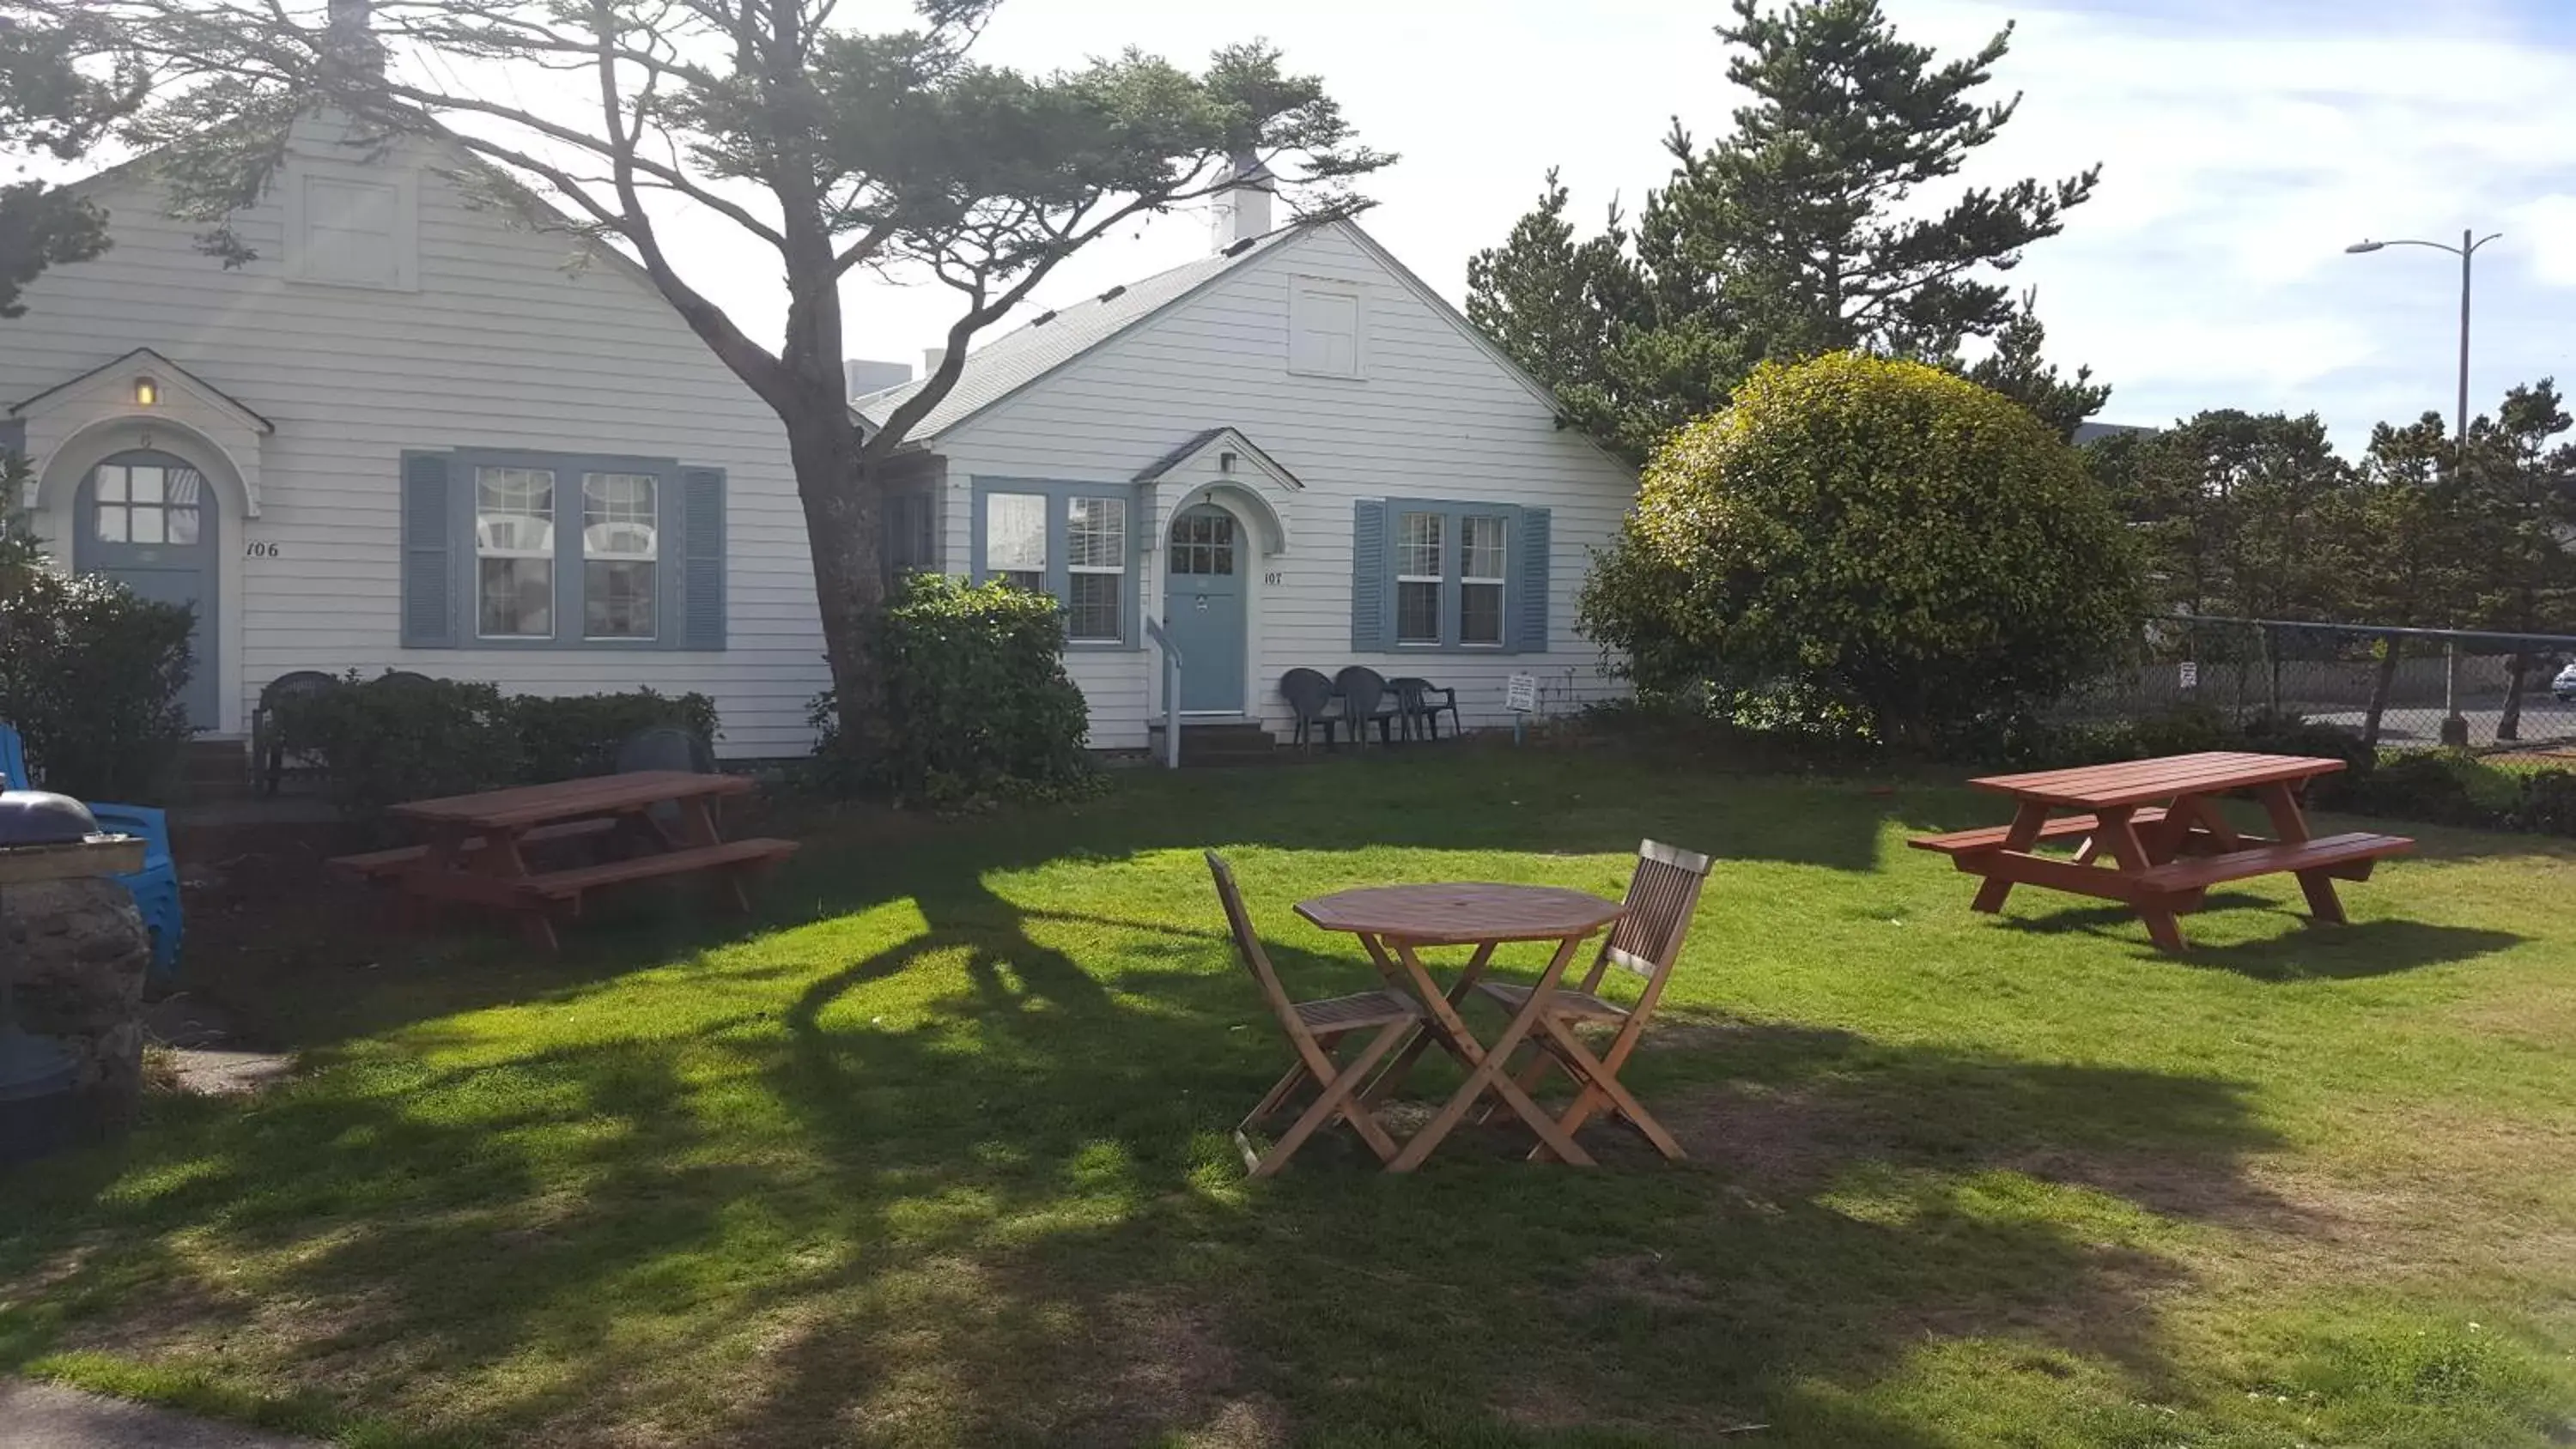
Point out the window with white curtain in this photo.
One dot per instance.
(1015, 539)
(620, 554)
(514, 553)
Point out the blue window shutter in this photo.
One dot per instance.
(428, 543)
(702, 558)
(13, 436)
(1529, 584)
(1368, 576)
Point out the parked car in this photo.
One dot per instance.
(2564, 686)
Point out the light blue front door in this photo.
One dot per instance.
(1203, 609)
(147, 520)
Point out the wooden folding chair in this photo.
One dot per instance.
(1314, 1029)
(1648, 940)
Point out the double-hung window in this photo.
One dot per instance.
(1095, 569)
(1070, 541)
(523, 549)
(1420, 555)
(1448, 575)
(1449, 579)
(514, 553)
(621, 539)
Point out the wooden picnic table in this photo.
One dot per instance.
(1394, 922)
(477, 847)
(2154, 837)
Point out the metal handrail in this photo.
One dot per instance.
(1171, 690)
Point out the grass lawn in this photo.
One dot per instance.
(935, 1153)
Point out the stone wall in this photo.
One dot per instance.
(77, 951)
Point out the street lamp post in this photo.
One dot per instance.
(2466, 251)
(2455, 728)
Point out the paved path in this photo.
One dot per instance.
(47, 1416)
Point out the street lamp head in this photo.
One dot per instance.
(2359, 247)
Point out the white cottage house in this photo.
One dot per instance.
(1291, 453)
(412, 434)
(415, 434)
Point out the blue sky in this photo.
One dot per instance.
(2243, 145)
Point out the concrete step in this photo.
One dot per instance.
(1227, 742)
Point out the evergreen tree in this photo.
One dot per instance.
(1801, 231)
(2018, 370)
(48, 105)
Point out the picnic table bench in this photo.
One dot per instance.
(2154, 837)
(477, 850)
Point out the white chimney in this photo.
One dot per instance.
(1243, 208)
(932, 358)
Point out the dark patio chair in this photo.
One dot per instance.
(268, 749)
(1310, 695)
(666, 747)
(1365, 702)
(1419, 699)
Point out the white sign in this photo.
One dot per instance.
(1520, 693)
(2190, 675)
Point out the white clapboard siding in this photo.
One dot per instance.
(503, 345)
(1436, 416)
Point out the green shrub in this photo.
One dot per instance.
(394, 738)
(567, 736)
(1883, 534)
(92, 677)
(978, 705)
(2548, 804)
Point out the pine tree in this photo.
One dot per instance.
(1801, 231)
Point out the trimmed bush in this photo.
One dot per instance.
(1870, 534)
(568, 736)
(390, 739)
(978, 705)
(92, 677)
(394, 738)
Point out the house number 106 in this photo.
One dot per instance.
(259, 550)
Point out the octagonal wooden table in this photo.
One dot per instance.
(1394, 922)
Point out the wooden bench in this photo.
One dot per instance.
(730, 856)
(1992, 837)
(375, 864)
(2346, 857)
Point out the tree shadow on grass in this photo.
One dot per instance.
(2301, 950)
(1013, 1217)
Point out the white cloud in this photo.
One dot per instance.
(2242, 148)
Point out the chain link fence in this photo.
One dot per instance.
(2398, 688)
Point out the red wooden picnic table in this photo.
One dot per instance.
(2154, 837)
(1393, 922)
(476, 850)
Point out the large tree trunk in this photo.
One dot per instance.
(2380, 685)
(842, 526)
(2509, 724)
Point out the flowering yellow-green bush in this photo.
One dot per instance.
(1865, 536)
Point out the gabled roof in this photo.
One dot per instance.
(163, 369)
(1203, 441)
(1014, 360)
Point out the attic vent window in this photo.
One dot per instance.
(1327, 327)
(147, 391)
(1114, 293)
(351, 225)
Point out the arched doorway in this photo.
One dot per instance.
(148, 520)
(1203, 608)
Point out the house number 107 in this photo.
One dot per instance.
(1269, 578)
